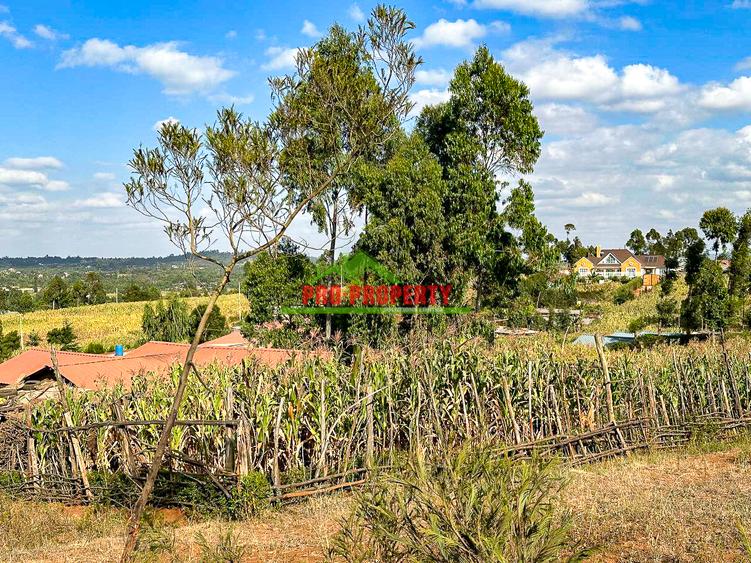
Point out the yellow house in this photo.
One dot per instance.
(619, 262)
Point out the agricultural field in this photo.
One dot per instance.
(686, 505)
(616, 317)
(109, 323)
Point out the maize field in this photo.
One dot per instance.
(109, 323)
(319, 417)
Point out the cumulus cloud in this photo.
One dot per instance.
(310, 29)
(616, 169)
(104, 200)
(162, 122)
(459, 33)
(280, 58)
(179, 72)
(541, 8)
(104, 176)
(433, 77)
(557, 75)
(16, 39)
(30, 178)
(564, 119)
(734, 96)
(428, 97)
(46, 32)
(356, 13)
(34, 163)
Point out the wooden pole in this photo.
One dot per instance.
(124, 439)
(230, 439)
(606, 376)
(277, 431)
(76, 446)
(728, 369)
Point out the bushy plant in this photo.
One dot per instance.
(95, 348)
(471, 505)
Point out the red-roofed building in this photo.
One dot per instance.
(94, 371)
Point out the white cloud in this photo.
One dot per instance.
(542, 8)
(593, 199)
(16, 39)
(741, 4)
(104, 200)
(224, 98)
(459, 33)
(34, 163)
(30, 178)
(552, 74)
(635, 173)
(734, 96)
(104, 176)
(179, 72)
(629, 23)
(310, 29)
(280, 58)
(162, 122)
(433, 77)
(428, 97)
(563, 119)
(231, 34)
(46, 32)
(356, 13)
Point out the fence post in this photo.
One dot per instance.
(230, 439)
(606, 376)
(76, 446)
(277, 429)
(130, 462)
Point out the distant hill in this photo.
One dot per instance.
(99, 264)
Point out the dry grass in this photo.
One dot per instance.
(667, 506)
(111, 323)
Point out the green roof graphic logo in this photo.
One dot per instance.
(354, 269)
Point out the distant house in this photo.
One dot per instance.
(619, 262)
(33, 368)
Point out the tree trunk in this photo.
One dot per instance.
(332, 250)
(134, 522)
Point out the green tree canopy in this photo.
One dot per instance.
(216, 325)
(636, 242)
(740, 260)
(168, 322)
(274, 279)
(63, 338)
(719, 225)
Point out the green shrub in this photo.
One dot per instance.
(95, 348)
(469, 506)
(199, 495)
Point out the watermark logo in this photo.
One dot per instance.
(361, 285)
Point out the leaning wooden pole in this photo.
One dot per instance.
(134, 522)
(75, 445)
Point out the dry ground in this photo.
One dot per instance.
(668, 506)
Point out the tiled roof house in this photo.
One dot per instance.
(619, 262)
(94, 371)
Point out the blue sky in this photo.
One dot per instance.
(646, 105)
